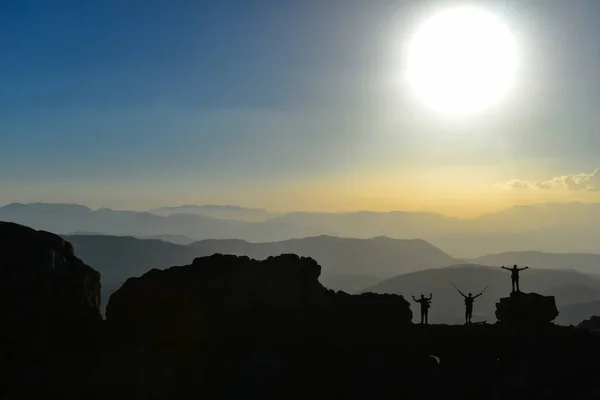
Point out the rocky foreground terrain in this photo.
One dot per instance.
(232, 327)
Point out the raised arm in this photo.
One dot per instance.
(480, 294)
(430, 296)
(522, 269)
(458, 290)
(503, 267)
(415, 299)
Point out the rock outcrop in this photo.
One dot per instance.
(49, 303)
(526, 309)
(221, 295)
(591, 324)
(231, 327)
(225, 315)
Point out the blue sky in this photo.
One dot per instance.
(117, 102)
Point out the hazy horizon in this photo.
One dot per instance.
(301, 107)
(292, 211)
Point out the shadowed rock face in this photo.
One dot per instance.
(42, 281)
(50, 307)
(231, 327)
(591, 324)
(224, 315)
(526, 309)
(218, 297)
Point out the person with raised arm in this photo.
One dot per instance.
(469, 300)
(425, 304)
(514, 276)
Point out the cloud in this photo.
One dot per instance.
(588, 182)
(518, 184)
(582, 182)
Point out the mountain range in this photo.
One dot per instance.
(383, 265)
(582, 262)
(217, 211)
(383, 256)
(68, 218)
(556, 227)
(347, 264)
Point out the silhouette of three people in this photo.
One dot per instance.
(514, 276)
(469, 300)
(425, 304)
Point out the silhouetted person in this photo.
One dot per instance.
(469, 300)
(514, 276)
(425, 304)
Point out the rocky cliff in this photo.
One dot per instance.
(49, 303)
(222, 296)
(232, 327)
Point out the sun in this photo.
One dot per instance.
(462, 60)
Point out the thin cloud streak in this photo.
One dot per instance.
(582, 182)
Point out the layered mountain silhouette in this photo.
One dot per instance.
(118, 258)
(68, 218)
(111, 241)
(381, 257)
(348, 264)
(217, 211)
(568, 227)
(572, 314)
(582, 262)
(447, 305)
(381, 265)
(177, 239)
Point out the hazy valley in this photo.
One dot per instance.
(381, 265)
(379, 252)
(552, 227)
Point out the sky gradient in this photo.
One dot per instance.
(284, 105)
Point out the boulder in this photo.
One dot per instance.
(526, 309)
(217, 296)
(49, 303)
(226, 316)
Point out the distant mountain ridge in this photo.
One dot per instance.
(582, 262)
(217, 211)
(569, 227)
(64, 218)
(381, 265)
(572, 314)
(347, 264)
(381, 257)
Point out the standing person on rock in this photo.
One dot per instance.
(425, 304)
(469, 300)
(514, 276)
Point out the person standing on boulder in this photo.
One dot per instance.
(425, 304)
(514, 276)
(469, 300)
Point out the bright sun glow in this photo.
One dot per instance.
(462, 61)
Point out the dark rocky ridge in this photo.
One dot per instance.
(223, 295)
(49, 303)
(592, 323)
(232, 327)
